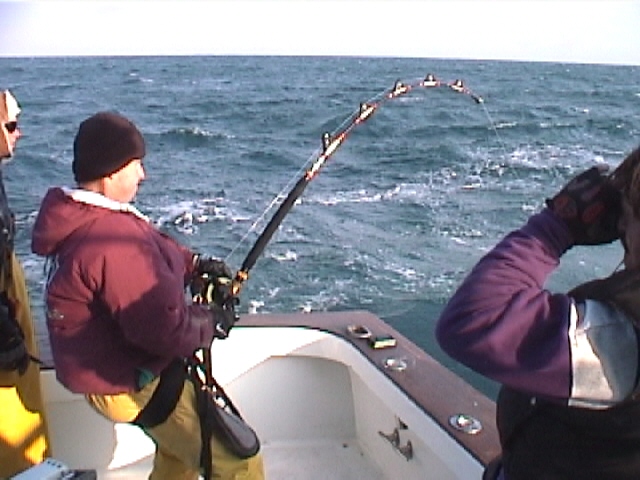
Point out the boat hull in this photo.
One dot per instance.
(324, 403)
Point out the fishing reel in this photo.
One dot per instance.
(207, 289)
(212, 285)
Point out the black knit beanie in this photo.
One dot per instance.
(105, 143)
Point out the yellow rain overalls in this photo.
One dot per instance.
(24, 437)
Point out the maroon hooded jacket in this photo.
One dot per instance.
(115, 298)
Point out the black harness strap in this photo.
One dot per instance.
(164, 399)
(206, 432)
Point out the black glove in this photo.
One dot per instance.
(210, 280)
(222, 303)
(13, 352)
(223, 319)
(211, 266)
(590, 206)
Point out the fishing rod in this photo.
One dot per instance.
(229, 289)
(330, 143)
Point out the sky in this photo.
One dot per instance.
(573, 31)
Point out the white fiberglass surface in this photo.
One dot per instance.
(319, 406)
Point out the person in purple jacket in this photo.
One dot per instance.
(119, 326)
(568, 363)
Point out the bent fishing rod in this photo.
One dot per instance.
(330, 143)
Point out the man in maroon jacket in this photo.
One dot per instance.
(116, 310)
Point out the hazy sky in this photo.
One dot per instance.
(596, 31)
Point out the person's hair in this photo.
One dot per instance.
(626, 178)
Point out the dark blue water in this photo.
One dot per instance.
(398, 215)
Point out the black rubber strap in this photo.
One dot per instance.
(165, 397)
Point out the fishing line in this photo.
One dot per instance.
(495, 130)
(331, 142)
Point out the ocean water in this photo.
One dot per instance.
(397, 216)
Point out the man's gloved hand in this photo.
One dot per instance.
(210, 266)
(13, 352)
(590, 206)
(224, 317)
(209, 279)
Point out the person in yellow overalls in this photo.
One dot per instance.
(24, 438)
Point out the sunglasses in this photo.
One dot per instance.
(11, 126)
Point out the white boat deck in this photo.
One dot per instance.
(314, 460)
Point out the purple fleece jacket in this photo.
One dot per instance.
(502, 323)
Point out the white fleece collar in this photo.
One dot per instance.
(99, 200)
